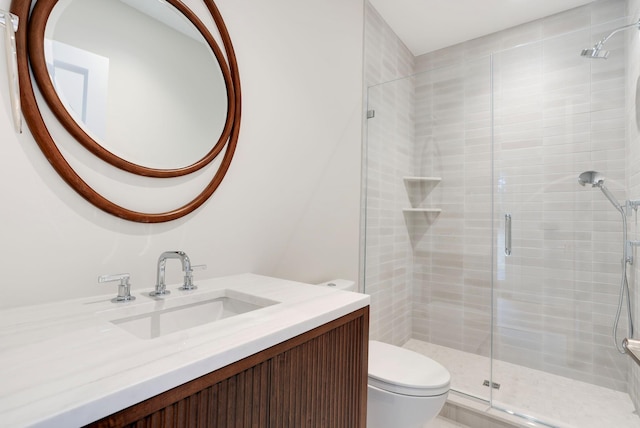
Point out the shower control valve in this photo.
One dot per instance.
(633, 204)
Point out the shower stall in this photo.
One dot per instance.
(481, 250)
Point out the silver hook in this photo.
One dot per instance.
(12, 65)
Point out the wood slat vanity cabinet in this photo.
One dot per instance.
(317, 379)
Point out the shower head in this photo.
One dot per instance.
(596, 52)
(591, 177)
(597, 180)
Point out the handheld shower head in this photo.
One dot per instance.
(591, 177)
(597, 180)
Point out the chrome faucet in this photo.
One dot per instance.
(124, 289)
(161, 287)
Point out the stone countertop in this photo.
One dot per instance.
(65, 364)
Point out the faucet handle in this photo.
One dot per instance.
(188, 277)
(124, 288)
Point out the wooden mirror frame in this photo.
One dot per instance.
(25, 36)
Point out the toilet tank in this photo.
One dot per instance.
(340, 284)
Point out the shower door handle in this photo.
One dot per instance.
(507, 234)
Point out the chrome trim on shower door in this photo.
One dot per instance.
(507, 234)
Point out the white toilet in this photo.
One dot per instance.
(406, 389)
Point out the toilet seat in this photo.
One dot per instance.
(402, 371)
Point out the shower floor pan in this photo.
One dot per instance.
(576, 404)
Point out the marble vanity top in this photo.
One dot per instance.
(65, 364)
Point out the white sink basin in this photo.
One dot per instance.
(170, 316)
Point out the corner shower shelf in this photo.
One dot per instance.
(426, 185)
(633, 349)
(422, 210)
(434, 180)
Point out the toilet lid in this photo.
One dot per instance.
(402, 371)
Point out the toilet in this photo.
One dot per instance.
(405, 389)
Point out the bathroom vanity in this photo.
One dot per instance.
(283, 354)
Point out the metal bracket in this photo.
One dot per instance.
(632, 204)
(630, 244)
(12, 65)
(14, 19)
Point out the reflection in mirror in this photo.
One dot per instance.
(138, 78)
(86, 173)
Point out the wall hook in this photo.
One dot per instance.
(10, 23)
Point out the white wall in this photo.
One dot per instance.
(288, 207)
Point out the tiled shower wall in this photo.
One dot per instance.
(387, 157)
(556, 116)
(633, 177)
(556, 296)
(452, 251)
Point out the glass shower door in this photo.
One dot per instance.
(428, 218)
(556, 244)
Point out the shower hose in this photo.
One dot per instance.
(624, 290)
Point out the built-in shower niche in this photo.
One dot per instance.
(421, 214)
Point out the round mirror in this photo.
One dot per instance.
(121, 108)
(142, 84)
(138, 78)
